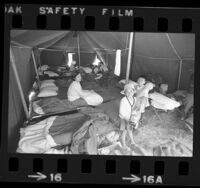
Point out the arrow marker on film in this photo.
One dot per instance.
(39, 176)
(132, 179)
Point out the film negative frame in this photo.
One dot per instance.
(101, 169)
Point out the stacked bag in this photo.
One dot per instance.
(48, 88)
(44, 69)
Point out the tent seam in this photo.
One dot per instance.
(174, 49)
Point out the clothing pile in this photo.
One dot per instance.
(85, 140)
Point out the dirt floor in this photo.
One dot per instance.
(159, 134)
(164, 133)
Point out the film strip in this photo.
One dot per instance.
(36, 27)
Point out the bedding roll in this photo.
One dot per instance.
(93, 99)
(47, 84)
(51, 74)
(162, 102)
(47, 93)
(54, 88)
(36, 138)
(48, 81)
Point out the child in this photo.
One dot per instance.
(143, 94)
(77, 95)
(141, 82)
(163, 89)
(129, 113)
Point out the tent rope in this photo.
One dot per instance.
(35, 66)
(179, 57)
(161, 58)
(174, 49)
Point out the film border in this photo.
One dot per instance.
(73, 174)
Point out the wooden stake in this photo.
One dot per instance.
(129, 57)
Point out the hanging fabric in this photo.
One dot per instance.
(180, 59)
(65, 56)
(70, 59)
(117, 70)
(96, 61)
(101, 57)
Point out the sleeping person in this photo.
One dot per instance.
(79, 97)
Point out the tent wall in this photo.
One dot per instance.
(86, 58)
(57, 58)
(16, 114)
(52, 58)
(187, 71)
(26, 72)
(142, 66)
(25, 68)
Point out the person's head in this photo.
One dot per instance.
(149, 85)
(129, 90)
(77, 76)
(141, 80)
(163, 88)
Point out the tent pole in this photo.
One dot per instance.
(79, 59)
(18, 83)
(179, 75)
(129, 57)
(34, 62)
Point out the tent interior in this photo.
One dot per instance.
(169, 55)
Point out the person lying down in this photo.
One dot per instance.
(79, 96)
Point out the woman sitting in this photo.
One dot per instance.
(78, 96)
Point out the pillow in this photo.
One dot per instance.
(44, 67)
(51, 74)
(47, 93)
(87, 70)
(54, 88)
(163, 102)
(123, 81)
(37, 109)
(47, 85)
(48, 81)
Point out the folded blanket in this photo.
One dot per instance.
(36, 138)
(39, 137)
(51, 105)
(162, 102)
(84, 140)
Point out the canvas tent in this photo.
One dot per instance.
(171, 55)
